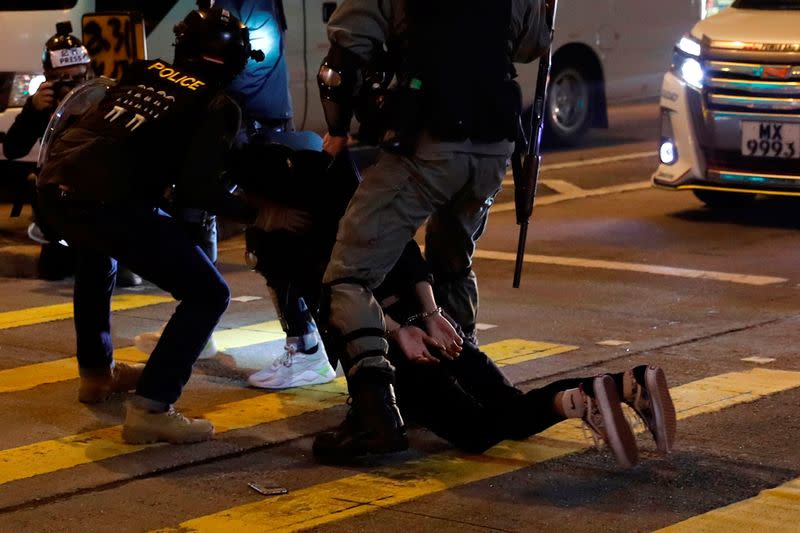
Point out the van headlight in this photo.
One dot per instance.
(686, 62)
(22, 87)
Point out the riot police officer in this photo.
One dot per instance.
(162, 126)
(451, 120)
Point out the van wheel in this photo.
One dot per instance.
(722, 199)
(568, 112)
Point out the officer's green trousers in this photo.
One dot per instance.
(453, 191)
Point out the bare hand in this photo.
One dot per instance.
(414, 343)
(276, 217)
(44, 97)
(334, 144)
(441, 331)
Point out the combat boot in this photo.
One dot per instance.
(145, 427)
(373, 424)
(123, 378)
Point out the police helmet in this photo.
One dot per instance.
(63, 50)
(211, 41)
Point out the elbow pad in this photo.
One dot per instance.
(337, 80)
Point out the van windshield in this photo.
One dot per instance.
(767, 4)
(36, 5)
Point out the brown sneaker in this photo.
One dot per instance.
(645, 390)
(123, 378)
(143, 427)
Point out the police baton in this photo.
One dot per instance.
(526, 172)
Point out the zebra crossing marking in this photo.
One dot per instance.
(49, 456)
(363, 493)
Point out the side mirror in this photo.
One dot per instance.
(327, 11)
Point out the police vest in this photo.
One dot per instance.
(460, 61)
(149, 117)
(152, 99)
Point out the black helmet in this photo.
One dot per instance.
(211, 41)
(64, 49)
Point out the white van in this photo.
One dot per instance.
(606, 51)
(731, 106)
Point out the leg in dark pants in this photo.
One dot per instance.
(471, 404)
(160, 250)
(95, 276)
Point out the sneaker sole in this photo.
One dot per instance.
(143, 436)
(663, 409)
(308, 377)
(618, 432)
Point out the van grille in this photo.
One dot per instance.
(760, 87)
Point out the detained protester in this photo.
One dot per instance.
(161, 127)
(455, 390)
(443, 159)
(66, 63)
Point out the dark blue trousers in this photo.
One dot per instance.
(157, 248)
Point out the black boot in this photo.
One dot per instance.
(373, 424)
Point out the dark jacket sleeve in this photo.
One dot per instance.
(28, 127)
(529, 30)
(410, 269)
(199, 184)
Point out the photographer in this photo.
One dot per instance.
(66, 64)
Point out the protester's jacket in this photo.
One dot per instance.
(28, 127)
(159, 128)
(399, 284)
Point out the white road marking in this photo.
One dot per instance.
(245, 299)
(759, 360)
(563, 187)
(745, 279)
(613, 342)
(584, 193)
(590, 162)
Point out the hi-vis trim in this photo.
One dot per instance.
(50, 456)
(363, 493)
(51, 313)
(775, 510)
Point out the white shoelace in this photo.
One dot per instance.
(286, 358)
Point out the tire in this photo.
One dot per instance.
(724, 200)
(569, 106)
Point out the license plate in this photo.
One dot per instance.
(780, 140)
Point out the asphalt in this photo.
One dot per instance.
(18, 253)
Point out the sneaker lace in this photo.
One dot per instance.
(592, 426)
(640, 404)
(286, 358)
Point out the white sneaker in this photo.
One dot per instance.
(146, 342)
(35, 234)
(294, 369)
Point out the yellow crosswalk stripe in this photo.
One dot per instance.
(30, 376)
(389, 486)
(50, 456)
(51, 313)
(774, 510)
